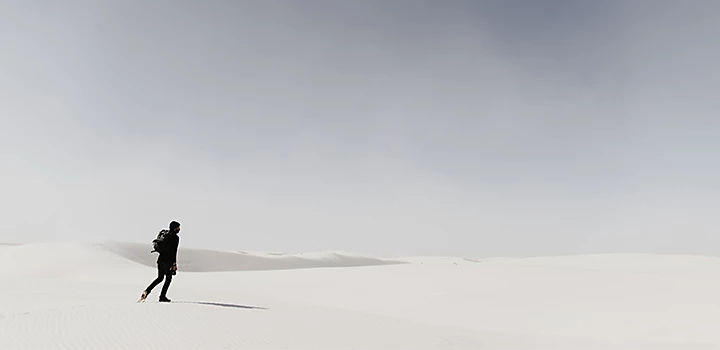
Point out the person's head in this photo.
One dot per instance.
(175, 227)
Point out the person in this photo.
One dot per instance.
(166, 264)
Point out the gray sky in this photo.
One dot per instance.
(471, 128)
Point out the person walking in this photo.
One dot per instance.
(166, 245)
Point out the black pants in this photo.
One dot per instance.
(164, 271)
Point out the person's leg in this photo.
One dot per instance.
(166, 285)
(157, 281)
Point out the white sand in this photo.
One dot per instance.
(83, 296)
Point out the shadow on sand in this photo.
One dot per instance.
(235, 306)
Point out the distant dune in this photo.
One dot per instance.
(204, 260)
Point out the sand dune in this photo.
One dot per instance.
(82, 296)
(204, 260)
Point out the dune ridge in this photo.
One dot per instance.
(207, 260)
(36, 256)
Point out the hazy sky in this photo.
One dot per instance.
(470, 128)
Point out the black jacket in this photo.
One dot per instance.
(170, 256)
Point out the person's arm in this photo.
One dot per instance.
(176, 245)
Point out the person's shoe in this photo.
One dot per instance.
(143, 296)
(164, 300)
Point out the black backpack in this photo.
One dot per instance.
(159, 243)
